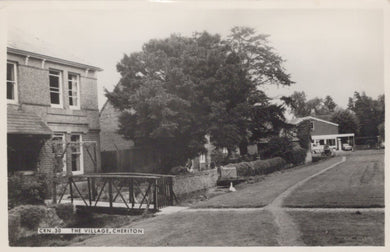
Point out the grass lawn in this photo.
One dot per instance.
(359, 182)
(340, 229)
(262, 193)
(197, 229)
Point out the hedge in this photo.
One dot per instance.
(259, 167)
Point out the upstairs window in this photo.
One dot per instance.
(74, 91)
(55, 88)
(11, 83)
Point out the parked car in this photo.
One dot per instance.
(347, 147)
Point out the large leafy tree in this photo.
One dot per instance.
(370, 113)
(301, 107)
(347, 121)
(177, 90)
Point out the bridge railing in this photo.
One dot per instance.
(131, 191)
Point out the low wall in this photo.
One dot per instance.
(188, 183)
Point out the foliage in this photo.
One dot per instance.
(284, 148)
(27, 189)
(259, 167)
(329, 103)
(218, 157)
(278, 147)
(381, 130)
(370, 113)
(347, 121)
(30, 215)
(177, 90)
(301, 107)
(178, 170)
(65, 212)
(296, 156)
(304, 134)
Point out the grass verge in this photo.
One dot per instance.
(340, 229)
(198, 229)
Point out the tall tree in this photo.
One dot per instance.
(297, 103)
(347, 121)
(370, 113)
(177, 90)
(329, 103)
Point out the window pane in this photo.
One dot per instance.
(75, 162)
(10, 72)
(54, 98)
(10, 91)
(54, 81)
(75, 138)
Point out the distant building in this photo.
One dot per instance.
(51, 100)
(326, 133)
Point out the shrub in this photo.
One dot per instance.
(297, 156)
(259, 167)
(13, 227)
(30, 215)
(27, 189)
(64, 211)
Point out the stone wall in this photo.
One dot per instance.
(189, 183)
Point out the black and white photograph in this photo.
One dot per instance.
(194, 124)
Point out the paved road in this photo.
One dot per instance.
(259, 217)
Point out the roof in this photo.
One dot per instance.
(333, 136)
(23, 43)
(296, 121)
(22, 122)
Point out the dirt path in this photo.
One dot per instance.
(289, 234)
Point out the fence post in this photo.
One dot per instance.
(70, 189)
(131, 193)
(170, 191)
(89, 192)
(110, 191)
(155, 195)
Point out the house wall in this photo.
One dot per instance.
(322, 128)
(34, 96)
(110, 139)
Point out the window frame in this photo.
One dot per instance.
(15, 86)
(311, 125)
(60, 92)
(78, 96)
(81, 171)
(202, 158)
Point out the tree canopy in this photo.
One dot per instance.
(370, 113)
(178, 90)
(302, 107)
(347, 121)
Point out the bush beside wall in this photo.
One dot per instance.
(259, 167)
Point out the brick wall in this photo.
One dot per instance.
(322, 128)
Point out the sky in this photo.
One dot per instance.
(327, 51)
